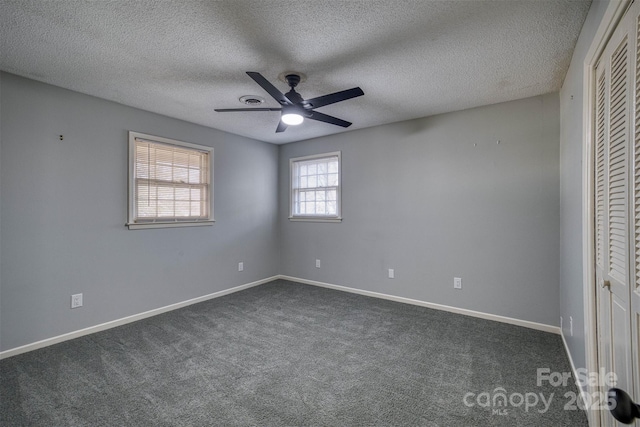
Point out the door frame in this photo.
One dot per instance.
(612, 16)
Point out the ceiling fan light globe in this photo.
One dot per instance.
(292, 119)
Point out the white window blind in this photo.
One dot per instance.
(315, 187)
(170, 183)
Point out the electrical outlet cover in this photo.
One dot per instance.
(76, 300)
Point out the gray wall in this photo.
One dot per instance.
(420, 198)
(571, 197)
(60, 238)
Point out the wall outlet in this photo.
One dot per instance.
(241, 266)
(457, 283)
(317, 263)
(76, 300)
(392, 274)
(571, 325)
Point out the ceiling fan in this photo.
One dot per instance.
(294, 108)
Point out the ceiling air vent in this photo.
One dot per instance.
(252, 100)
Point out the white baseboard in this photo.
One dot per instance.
(123, 321)
(464, 311)
(574, 372)
(118, 322)
(583, 389)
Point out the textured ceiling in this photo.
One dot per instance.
(185, 58)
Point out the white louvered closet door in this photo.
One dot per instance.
(602, 219)
(617, 207)
(634, 286)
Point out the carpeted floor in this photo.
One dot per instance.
(286, 354)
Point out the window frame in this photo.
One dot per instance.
(133, 223)
(315, 218)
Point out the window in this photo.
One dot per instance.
(170, 183)
(315, 187)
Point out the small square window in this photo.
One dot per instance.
(315, 187)
(170, 183)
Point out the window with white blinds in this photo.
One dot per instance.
(315, 187)
(170, 182)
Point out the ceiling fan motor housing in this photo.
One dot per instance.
(294, 96)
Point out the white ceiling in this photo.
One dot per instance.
(184, 58)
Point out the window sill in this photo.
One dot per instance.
(172, 224)
(314, 219)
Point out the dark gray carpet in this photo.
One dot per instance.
(286, 354)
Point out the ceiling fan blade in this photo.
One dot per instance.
(328, 119)
(271, 89)
(281, 127)
(333, 97)
(226, 110)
